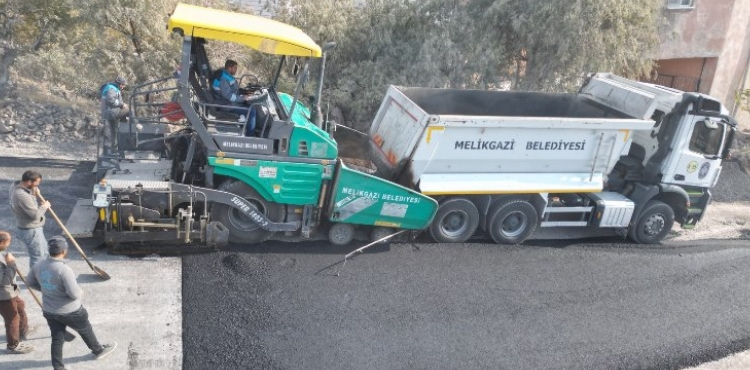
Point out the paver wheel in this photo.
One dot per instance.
(341, 234)
(511, 221)
(653, 224)
(241, 228)
(455, 221)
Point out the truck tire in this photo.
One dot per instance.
(455, 221)
(242, 229)
(511, 221)
(653, 224)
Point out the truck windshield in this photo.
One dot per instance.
(707, 138)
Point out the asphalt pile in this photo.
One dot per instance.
(733, 185)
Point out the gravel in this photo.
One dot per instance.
(733, 185)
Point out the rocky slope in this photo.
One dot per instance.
(48, 126)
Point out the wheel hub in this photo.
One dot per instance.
(454, 223)
(341, 234)
(654, 224)
(514, 224)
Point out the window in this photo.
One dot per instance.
(680, 4)
(707, 137)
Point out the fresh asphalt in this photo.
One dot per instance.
(592, 304)
(598, 304)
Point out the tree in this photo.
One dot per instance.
(554, 42)
(543, 45)
(27, 26)
(79, 45)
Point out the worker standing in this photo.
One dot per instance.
(30, 215)
(62, 302)
(12, 307)
(114, 108)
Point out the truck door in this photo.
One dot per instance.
(699, 163)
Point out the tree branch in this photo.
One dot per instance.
(134, 38)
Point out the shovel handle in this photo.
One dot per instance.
(20, 274)
(65, 230)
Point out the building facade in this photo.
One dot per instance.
(705, 47)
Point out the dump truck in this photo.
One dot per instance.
(207, 180)
(624, 155)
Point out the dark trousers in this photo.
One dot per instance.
(114, 125)
(14, 315)
(249, 117)
(78, 321)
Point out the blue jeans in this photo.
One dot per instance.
(78, 321)
(250, 121)
(36, 244)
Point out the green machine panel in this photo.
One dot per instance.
(307, 140)
(364, 199)
(280, 182)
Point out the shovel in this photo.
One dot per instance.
(69, 337)
(97, 270)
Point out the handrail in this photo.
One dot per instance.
(596, 156)
(241, 125)
(143, 92)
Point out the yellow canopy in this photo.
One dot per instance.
(262, 34)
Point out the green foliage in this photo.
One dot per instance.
(524, 44)
(546, 45)
(27, 26)
(742, 99)
(89, 42)
(554, 42)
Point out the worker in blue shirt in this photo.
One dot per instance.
(114, 108)
(227, 91)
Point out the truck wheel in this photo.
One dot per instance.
(455, 222)
(512, 221)
(341, 234)
(241, 228)
(654, 223)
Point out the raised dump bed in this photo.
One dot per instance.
(447, 141)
